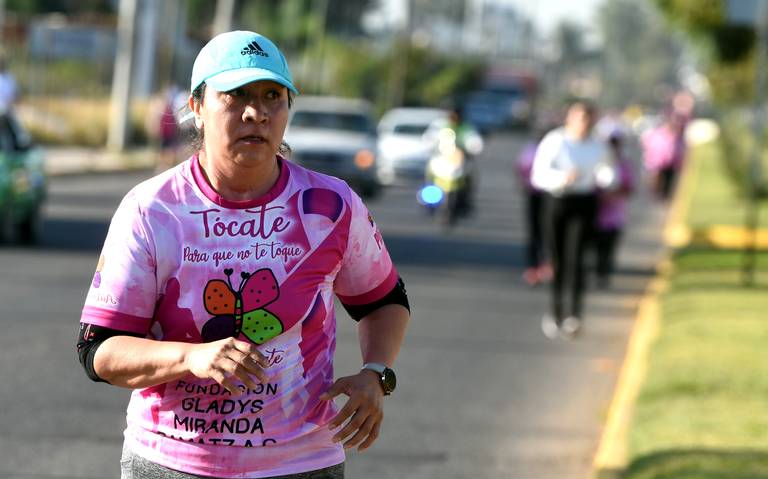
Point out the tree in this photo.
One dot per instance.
(634, 68)
(431, 79)
(450, 10)
(276, 17)
(728, 48)
(33, 7)
(568, 65)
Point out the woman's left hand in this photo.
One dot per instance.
(364, 409)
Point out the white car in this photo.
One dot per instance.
(403, 150)
(336, 136)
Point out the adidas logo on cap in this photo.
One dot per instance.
(253, 48)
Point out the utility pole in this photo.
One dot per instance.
(755, 173)
(473, 25)
(322, 13)
(290, 10)
(399, 72)
(2, 20)
(222, 20)
(760, 84)
(147, 41)
(169, 38)
(312, 66)
(121, 77)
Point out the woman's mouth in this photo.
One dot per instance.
(253, 139)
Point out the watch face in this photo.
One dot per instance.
(389, 380)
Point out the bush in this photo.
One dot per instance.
(77, 121)
(737, 143)
(360, 70)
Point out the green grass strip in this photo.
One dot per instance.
(702, 411)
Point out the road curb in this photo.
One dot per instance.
(611, 457)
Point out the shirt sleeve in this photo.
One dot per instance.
(367, 273)
(546, 174)
(123, 292)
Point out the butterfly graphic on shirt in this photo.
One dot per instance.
(242, 310)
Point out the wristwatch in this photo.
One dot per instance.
(387, 377)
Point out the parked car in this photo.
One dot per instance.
(22, 183)
(336, 136)
(403, 151)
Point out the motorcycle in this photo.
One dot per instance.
(447, 178)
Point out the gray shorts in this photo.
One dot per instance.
(136, 467)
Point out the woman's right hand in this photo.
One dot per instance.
(226, 361)
(572, 176)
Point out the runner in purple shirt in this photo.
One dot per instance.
(612, 211)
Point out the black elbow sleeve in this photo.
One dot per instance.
(397, 295)
(89, 339)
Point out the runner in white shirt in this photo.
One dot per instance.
(570, 165)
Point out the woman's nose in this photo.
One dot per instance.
(255, 111)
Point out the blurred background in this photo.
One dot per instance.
(65, 54)
(91, 103)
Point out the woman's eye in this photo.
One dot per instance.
(237, 92)
(273, 94)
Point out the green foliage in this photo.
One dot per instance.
(34, 7)
(430, 78)
(703, 463)
(450, 80)
(694, 15)
(730, 48)
(200, 13)
(722, 167)
(345, 17)
(701, 412)
(733, 83)
(733, 43)
(436, 79)
(293, 22)
(359, 71)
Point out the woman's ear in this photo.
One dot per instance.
(195, 107)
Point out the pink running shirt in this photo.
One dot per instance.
(181, 263)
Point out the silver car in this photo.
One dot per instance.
(403, 150)
(336, 136)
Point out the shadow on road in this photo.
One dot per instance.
(453, 251)
(73, 234)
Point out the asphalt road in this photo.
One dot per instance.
(481, 392)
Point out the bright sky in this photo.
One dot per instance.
(546, 14)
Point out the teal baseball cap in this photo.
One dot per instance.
(232, 59)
